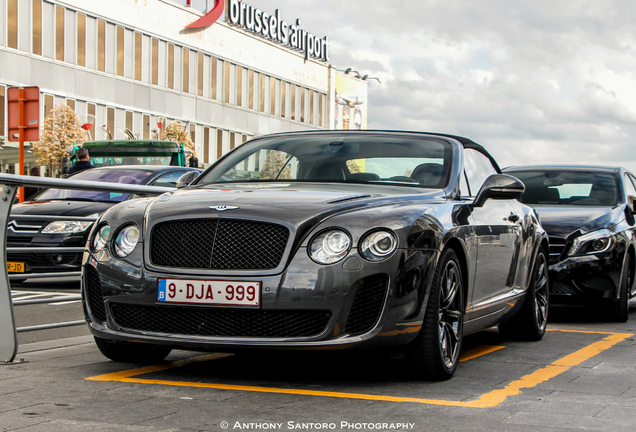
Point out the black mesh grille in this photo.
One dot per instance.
(367, 304)
(218, 244)
(94, 294)
(558, 287)
(220, 322)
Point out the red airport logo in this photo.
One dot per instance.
(211, 17)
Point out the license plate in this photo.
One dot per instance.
(210, 292)
(15, 267)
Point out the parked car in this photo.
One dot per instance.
(588, 212)
(322, 240)
(65, 202)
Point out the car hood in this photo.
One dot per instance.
(293, 203)
(60, 208)
(561, 221)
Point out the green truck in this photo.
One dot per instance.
(135, 152)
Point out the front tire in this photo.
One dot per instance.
(435, 353)
(531, 321)
(132, 352)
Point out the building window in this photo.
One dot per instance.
(138, 57)
(129, 121)
(293, 102)
(145, 126)
(12, 24)
(170, 66)
(272, 96)
(239, 85)
(59, 33)
(206, 145)
(219, 143)
(70, 103)
(262, 93)
(303, 117)
(81, 40)
(110, 122)
(101, 46)
(91, 118)
(311, 106)
(48, 104)
(200, 58)
(213, 93)
(120, 51)
(155, 62)
(226, 83)
(283, 97)
(321, 99)
(2, 93)
(37, 27)
(232, 140)
(250, 88)
(193, 133)
(186, 71)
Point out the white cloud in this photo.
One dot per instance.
(548, 81)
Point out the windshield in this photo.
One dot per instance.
(132, 160)
(585, 188)
(111, 176)
(364, 158)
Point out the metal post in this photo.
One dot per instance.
(8, 334)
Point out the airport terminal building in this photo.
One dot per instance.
(140, 64)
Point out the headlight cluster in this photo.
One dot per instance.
(331, 246)
(66, 227)
(591, 243)
(123, 245)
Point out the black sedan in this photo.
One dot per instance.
(588, 213)
(323, 240)
(61, 202)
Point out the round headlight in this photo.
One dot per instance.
(100, 238)
(126, 240)
(378, 245)
(330, 246)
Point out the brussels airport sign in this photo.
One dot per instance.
(267, 26)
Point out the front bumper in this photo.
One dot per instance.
(307, 306)
(585, 279)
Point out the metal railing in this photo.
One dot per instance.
(10, 184)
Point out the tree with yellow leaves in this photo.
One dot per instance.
(175, 131)
(61, 130)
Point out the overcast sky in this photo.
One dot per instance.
(534, 82)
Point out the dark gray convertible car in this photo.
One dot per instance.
(323, 240)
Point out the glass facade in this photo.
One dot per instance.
(57, 33)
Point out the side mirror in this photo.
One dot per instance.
(499, 186)
(194, 162)
(186, 179)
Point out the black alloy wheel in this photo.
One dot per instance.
(531, 321)
(435, 353)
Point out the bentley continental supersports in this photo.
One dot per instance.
(322, 240)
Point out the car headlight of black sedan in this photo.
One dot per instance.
(592, 243)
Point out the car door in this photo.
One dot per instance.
(498, 239)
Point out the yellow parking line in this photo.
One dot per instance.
(491, 399)
(478, 352)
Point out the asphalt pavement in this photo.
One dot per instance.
(582, 376)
